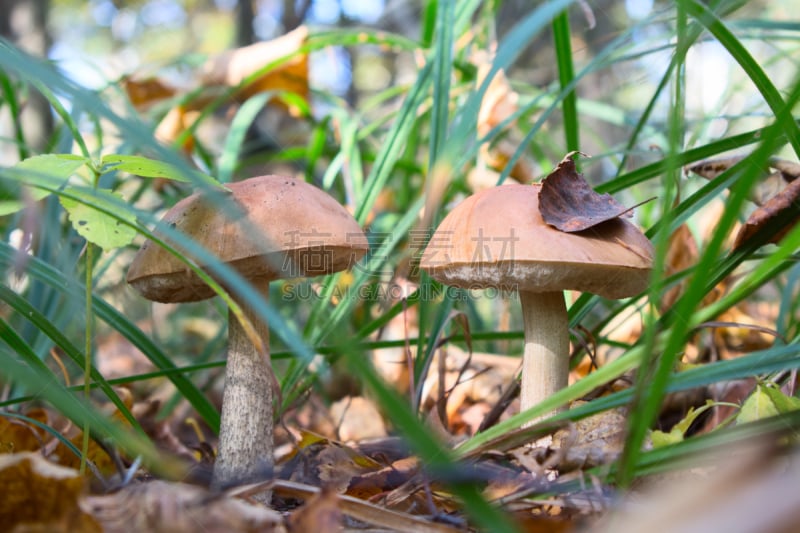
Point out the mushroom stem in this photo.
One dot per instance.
(245, 438)
(545, 363)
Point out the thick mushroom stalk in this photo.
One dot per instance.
(545, 360)
(245, 438)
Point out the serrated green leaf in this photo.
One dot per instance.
(783, 403)
(58, 167)
(759, 405)
(95, 225)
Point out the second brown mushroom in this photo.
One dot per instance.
(497, 239)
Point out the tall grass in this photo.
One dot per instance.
(417, 141)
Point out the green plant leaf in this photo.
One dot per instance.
(56, 166)
(759, 405)
(782, 402)
(96, 226)
(151, 168)
(678, 431)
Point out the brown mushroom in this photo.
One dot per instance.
(497, 238)
(267, 228)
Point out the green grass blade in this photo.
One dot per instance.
(566, 75)
(442, 69)
(233, 141)
(21, 306)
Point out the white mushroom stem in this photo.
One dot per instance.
(545, 363)
(245, 438)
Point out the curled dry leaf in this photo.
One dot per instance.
(41, 496)
(567, 201)
(789, 170)
(770, 184)
(773, 212)
(712, 168)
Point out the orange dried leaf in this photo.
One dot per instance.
(175, 122)
(499, 101)
(21, 436)
(567, 202)
(234, 67)
(143, 92)
(681, 255)
(41, 496)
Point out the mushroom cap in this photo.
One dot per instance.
(267, 228)
(497, 238)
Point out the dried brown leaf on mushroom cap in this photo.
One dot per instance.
(568, 203)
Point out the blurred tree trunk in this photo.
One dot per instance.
(24, 23)
(245, 33)
(294, 13)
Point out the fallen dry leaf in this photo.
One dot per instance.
(749, 489)
(499, 103)
(789, 170)
(18, 435)
(359, 509)
(320, 461)
(175, 122)
(357, 419)
(682, 254)
(712, 168)
(145, 91)
(589, 442)
(320, 513)
(567, 202)
(773, 212)
(41, 496)
(770, 184)
(234, 67)
(162, 507)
